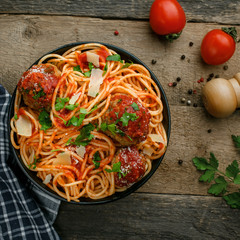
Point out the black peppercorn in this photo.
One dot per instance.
(208, 79)
(225, 67)
(211, 75)
(174, 84)
(183, 57)
(154, 61)
(190, 91)
(209, 130)
(195, 104)
(180, 162)
(190, 44)
(178, 79)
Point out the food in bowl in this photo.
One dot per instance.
(87, 122)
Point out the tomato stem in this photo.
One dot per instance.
(231, 31)
(172, 36)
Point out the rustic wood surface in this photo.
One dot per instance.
(172, 204)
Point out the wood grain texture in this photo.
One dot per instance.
(150, 216)
(23, 39)
(200, 11)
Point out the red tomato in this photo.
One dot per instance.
(217, 47)
(167, 17)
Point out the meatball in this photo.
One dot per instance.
(37, 86)
(132, 166)
(130, 119)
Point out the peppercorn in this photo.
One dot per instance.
(154, 61)
(190, 91)
(209, 130)
(188, 102)
(195, 104)
(180, 162)
(225, 67)
(183, 57)
(178, 79)
(211, 75)
(190, 44)
(174, 84)
(208, 79)
(116, 33)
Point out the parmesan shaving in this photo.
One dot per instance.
(62, 159)
(96, 80)
(81, 151)
(93, 58)
(24, 126)
(47, 179)
(74, 98)
(156, 138)
(148, 151)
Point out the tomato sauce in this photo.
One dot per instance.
(132, 164)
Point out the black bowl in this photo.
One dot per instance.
(155, 164)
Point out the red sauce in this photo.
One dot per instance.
(137, 128)
(132, 164)
(82, 61)
(37, 86)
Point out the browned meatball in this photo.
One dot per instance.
(132, 166)
(130, 119)
(37, 86)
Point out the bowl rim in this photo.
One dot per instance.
(136, 185)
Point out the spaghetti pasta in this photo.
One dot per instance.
(96, 122)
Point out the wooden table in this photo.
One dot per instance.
(172, 204)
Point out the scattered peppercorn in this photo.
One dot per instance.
(209, 130)
(188, 102)
(178, 79)
(208, 79)
(116, 33)
(190, 44)
(170, 84)
(225, 67)
(190, 91)
(154, 61)
(211, 75)
(174, 84)
(180, 162)
(217, 76)
(195, 104)
(183, 57)
(183, 100)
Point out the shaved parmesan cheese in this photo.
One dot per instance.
(148, 151)
(96, 80)
(62, 159)
(81, 151)
(24, 126)
(93, 58)
(47, 179)
(156, 138)
(74, 98)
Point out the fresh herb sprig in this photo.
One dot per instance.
(221, 179)
(44, 120)
(117, 168)
(96, 159)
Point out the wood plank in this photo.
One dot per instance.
(150, 216)
(23, 39)
(200, 11)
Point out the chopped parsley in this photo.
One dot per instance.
(126, 117)
(44, 120)
(33, 165)
(56, 150)
(96, 159)
(16, 117)
(71, 107)
(86, 74)
(60, 103)
(127, 64)
(115, 58)
(77, 68)
(41, 93)
(135, 106)
(64, 121)
(116, 168)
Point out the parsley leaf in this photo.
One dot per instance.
(232, 170)
(96, 159)
(115, 58)
(71, 106)
(60, 103)
(77, 68)
(203, 164)
(56, 150)
(116, 168)
(103, 126)
(44, 120)
(233, 199)
(33, 165)
(135, 106)
(219, 187)
(236, 140)
(208, 176)
(16, 117)
(41, 93)
(126, 117)
(127, 64)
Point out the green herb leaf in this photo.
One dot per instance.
(64, 121)
(90, 66)
(219, 187)
(116, 168)
(126, 117)
(33, 165)
(203, 164)
(16, 117)
(96, 159)
(115, 58)
(71, 107)
(237, 179)
(77, 68)
(103, 126)
(236, 140)
(44, 120)
(68, 142)
(208, 176)
(127, 64)
(232, 170)
(135, 106)
(39, 94)
(233, 199)
(56, 150)
(60, 103)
